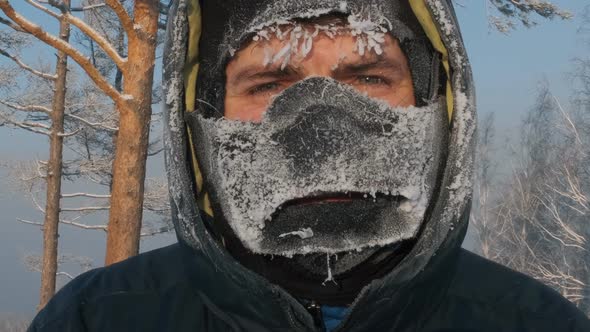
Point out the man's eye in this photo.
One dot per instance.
(371, 80)
(264, 88)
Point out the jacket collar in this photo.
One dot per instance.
(238, 294)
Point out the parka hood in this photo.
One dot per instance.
(446, 221)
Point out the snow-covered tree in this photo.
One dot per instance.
(506, 15)
(133, 102)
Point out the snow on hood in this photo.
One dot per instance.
(443, 227)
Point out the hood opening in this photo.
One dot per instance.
(433, 15)
(191, 70)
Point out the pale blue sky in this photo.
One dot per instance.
(507, 68)
(506, 71)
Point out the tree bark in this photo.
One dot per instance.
(54, 172)
(135, 110)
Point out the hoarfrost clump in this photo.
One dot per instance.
(330, 276)
(445, 22)
(304, 233)
(368, 32)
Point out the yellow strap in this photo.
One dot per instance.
(191, 68)
(425, 18)
(191, 71)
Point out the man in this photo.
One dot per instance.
(319, 156)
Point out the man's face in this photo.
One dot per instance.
(251, 85)
(333, 106)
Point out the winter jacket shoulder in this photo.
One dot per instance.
(123, 296)
(156, 292)
(502, 299)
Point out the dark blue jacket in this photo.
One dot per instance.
(173, 289)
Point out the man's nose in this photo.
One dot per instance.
(315, 134)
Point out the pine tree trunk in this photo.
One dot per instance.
(133, 137)
(54, 172)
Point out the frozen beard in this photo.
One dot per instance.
(328, 170)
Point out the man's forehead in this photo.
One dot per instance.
(366, 21)
(341, 48)
(300, 39)
(229, 24)
(269, 12)
(291, 42)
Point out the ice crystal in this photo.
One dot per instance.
(368, 32)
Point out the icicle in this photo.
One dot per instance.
(330, 276)
(360, 43)
(283, 52)
(378, 49)
(267, 56)
(286, 61)
(306, 45)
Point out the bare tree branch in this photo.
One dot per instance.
(126, 21)
(26, 67)
(536, 223)
(68, 222)
(27, 108)
(84, 195)
(84, 226)
(59, 44)
(99, 39)
(42, 8)
(153, 232)
(75, 132)
(86, 208)
(92, 124)
(85, 28)
(33, 125)
(30, 126)
(35, 201)
(34, 263)
(12, 25)
(65, 274)
(89, 7)
(30, 222)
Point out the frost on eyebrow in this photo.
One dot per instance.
(368, 29)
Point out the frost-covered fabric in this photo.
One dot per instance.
(449, 205)
(245, 19)
(230, 24)
(322, 138)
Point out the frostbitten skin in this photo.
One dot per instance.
(251, 84)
